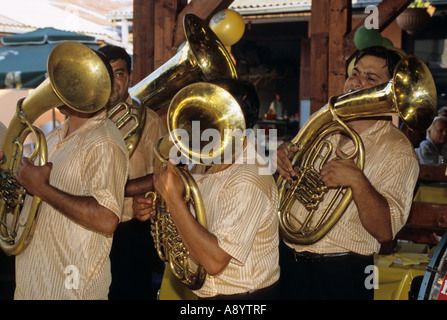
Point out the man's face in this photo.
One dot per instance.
(121, 82)
(369, 71)
(438, 132)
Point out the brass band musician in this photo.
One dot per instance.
(335, 267)
(68, 257)
(239, 248)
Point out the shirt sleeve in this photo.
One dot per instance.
(154, 129)
(241, 210)
(397, 185)
(105, 175)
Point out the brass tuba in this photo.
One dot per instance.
(202, 57)
(78, 78)
(122, 114)
(411, 93)
(213, 108)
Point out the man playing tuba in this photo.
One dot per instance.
(239, 247)
(336, 266)
(68, 255)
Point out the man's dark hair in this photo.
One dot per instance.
(390, 56)
(113, 53)
(244, 92)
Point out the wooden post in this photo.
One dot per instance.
(319, 53)
(143, 35)
(165, 19)
(339, 25)
(330, 22)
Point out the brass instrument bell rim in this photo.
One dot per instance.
(99, 89)
(411, 74)
(219, 103)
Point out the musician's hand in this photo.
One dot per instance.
(341, 172)
(33, 178)
(144, 208)
(283, 165)
(169, 184)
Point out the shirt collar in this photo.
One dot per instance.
(379, 125)
(92, 122)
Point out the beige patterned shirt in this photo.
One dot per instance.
(392, 168)
(241, 211)
(142, 160)
(64, 260)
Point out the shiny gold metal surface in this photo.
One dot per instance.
(78, 78)
(213, 108)
(206, 108)
(122, 114)
(202, 58)
(411, 93)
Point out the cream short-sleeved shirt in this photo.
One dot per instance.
(65, 260)
(241, 211)
(392, 168)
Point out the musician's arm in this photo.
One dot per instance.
(85, 210)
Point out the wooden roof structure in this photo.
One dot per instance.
(158, 31)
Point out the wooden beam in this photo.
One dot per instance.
(143, 35)
(319, 53)
(330, 21)
(165, 18)
(340, 19)
(305, 69)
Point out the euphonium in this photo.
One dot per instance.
(122, 114)
(411, 93)
(202, 58)
(211, 107)
(78, 78)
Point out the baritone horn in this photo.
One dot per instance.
(77, 77)
(213, 108)
(202, 57)
(411, 93)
